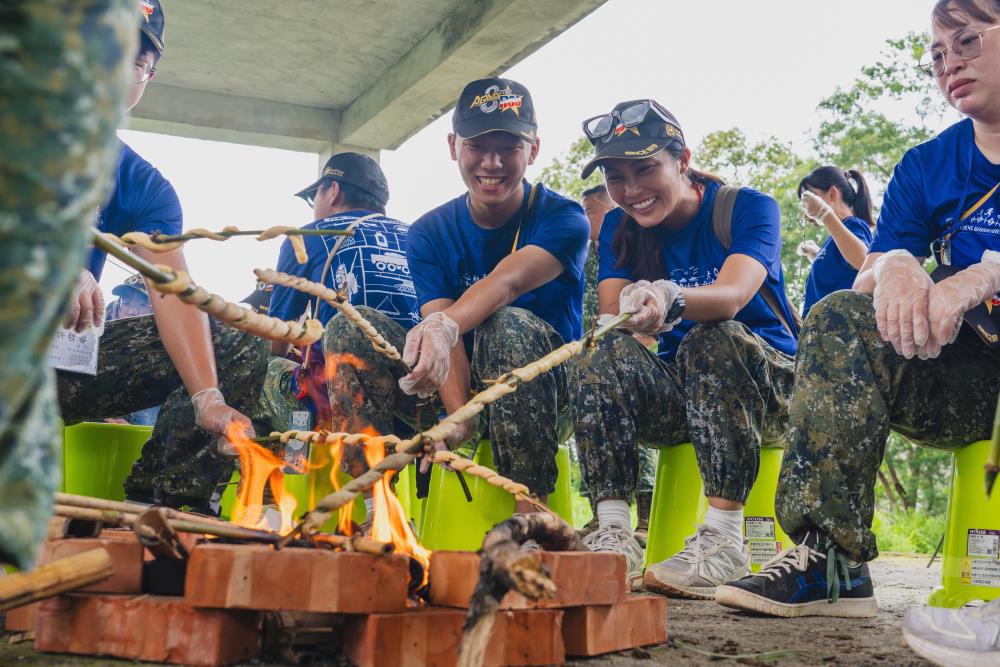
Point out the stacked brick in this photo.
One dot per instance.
(229, 587)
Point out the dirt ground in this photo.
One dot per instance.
(701, 631)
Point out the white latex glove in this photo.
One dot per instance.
(649, 303)
(808, 249)
(902, 292)
(212, 414)
(814, 208)
(952, 297)
(428, 353)
(464, 431)
(87, 306)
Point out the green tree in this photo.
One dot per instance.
(857, 132)
(563, 174)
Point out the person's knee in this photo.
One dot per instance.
(342, 335)
(839, 311)
(709, 338)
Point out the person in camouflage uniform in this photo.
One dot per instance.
(596, 203)
(723, 374)
(63, 73)
(170, 472)
(499, 278)
(180, 463)
(897, 353)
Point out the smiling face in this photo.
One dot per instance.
(651, 189)
(971, 86)
(492, 165)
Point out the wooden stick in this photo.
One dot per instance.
(504, 566)
(59, 576)
(130, 507)
(182, 522)
(227, 233)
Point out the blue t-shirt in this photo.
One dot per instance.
(831, 272)
(370, 267)
(448, 253)
(923, 196)
(142, 201)
(693, 257)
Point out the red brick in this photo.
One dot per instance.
(124, 550)
(146, 627)
(581, 578)
(639, 620)
(21, 619)
(259, 577)
(431, 636)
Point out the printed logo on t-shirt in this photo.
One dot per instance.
(694, 276)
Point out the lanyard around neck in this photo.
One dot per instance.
(523, 213)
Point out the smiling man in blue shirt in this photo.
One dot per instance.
(501, 268)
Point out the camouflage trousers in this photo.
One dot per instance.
(180, 463)
(647, 474)
(64, 67)
(525, 428)
(727, 394)
(850, 388)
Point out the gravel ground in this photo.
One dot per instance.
(697, 629)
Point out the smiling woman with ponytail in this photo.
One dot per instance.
(840, 201)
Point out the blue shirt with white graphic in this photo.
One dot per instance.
(923, 196)
(449, 252)
(831, 272)
(693, 257)
(142, 201)
(370, 267)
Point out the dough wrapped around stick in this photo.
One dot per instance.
(237, 317)
(153, 243)
(336, 300)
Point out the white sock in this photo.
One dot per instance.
(613, 512)
(727, 522)
(370, 506)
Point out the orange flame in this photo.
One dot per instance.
(259, 467)
(389, 523)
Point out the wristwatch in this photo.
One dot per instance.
(676, 310)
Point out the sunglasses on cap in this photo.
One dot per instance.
(604, 127)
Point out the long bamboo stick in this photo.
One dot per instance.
(59, 576)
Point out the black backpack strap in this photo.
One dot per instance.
(722, 225)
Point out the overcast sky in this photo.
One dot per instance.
(761, 66)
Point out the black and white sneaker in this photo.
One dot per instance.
(812, 579)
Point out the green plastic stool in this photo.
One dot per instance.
(760, 527)
(970, 566)
(561, 500)
(98, 457)
(308, 489)
(679, 502)
(406, 491)
(450, 522)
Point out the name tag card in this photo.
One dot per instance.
(75, 352)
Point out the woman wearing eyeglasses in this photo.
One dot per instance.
(894, 353)
(840, 201)
(698, 265)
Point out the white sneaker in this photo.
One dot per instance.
(620, 540)
(968, 637)
(708, 559)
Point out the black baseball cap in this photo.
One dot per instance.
(657, 130)
(354, 169)
(488, 105)
(260, 298)
(151, 22)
